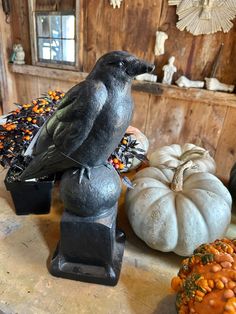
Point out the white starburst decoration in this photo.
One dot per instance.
(115, 3)
(205, 16)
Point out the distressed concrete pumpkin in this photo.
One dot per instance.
(174, 155)
(172, 212)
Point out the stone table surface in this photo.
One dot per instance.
(26, 287)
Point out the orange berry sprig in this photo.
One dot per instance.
(122, 158)
(124, 154)
(118, 165)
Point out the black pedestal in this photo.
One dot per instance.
(90, 249)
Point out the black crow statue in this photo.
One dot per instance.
(90, 120)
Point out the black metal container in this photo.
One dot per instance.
(30, 197)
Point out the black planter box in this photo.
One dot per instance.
(30, 197)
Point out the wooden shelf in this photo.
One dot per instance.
(58, 74)
(188, 94)
(158, 89)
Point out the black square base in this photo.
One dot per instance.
(105, 275)
(90, 249)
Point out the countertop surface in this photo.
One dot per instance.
(26, 286)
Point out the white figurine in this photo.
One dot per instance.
(169, 70)
(146, 77)
(160, 43)
(183, 81)
(19, 54)
(216, 85)
(115, 3)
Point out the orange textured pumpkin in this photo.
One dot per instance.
(206, 282)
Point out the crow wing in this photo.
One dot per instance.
(75, 118)
(67, 129)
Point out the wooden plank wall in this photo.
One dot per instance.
(166, 118)
(7, 81)
(168, 121)
(133, 27)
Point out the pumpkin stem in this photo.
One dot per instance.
(177, 182)
(195, 151)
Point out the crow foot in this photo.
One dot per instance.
(83, 170)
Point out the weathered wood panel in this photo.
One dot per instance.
(173, 121)
(20, 26)
(226, 149)
(195, 55)
(165, 121)
(133, 27)
(7, 82)
(141, 108)
(50, 84)
(55, 5)
(179, 121)
(203, 125)
(30, 87)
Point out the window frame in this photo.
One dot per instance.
(78, 37)
(56, 13)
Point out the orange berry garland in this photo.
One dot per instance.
(206, 282)
(22, 124)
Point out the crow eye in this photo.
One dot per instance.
(121, 64)
(118, 64)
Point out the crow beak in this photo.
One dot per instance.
(139, 67)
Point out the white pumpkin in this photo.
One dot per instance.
(173, 155)
(142, 142)
(175, 213)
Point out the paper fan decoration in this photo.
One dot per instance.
(205, 16)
